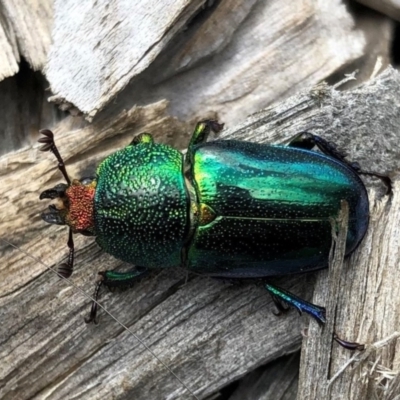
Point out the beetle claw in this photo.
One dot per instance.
(348, 345)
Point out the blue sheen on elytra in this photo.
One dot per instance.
(273, 206)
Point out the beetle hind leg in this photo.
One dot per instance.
(306, 140)
(281, 296)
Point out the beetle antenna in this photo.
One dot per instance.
(49, 145)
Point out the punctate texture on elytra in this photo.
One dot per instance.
(226, 209)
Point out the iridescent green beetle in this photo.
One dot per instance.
(227, 209)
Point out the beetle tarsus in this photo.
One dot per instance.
(65, 270)
(282, 295)
(348, 345)
(92, 318)
(203, 130)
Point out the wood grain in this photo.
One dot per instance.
(25, 27)
(200, 69)
(107, 44)
(207, 332)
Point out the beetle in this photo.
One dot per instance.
(227, 209)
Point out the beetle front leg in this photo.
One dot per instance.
(306, 140)
(113, 279)
(200, 135)
(142, 138)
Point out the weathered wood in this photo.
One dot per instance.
(175, 318)
(208, 333)
(276, 381)
(366, 311)
(389, 7)
(378, 30)
(24, 31)
(257, 62)
(108, 45)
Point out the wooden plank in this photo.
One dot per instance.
(278, 380)
(24, 31)
(209, 333)
(99, 47)
(9, 56)
(95, 56)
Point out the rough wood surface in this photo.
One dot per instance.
(91, 62)
(24, 32)
(209, 333)
(187, 72)
(378, 30)
(277, 381)
(388, 7)
(95, 55)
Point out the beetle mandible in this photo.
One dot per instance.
(227, 209)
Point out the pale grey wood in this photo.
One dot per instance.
(99, 46)
(378, 30)
(276, 381)
(9, 56)
(24, 31)
(205, 38)
(208, 332)
(173, 317)
(315, 362)
(254, 63)
(388, 7)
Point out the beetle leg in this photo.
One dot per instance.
(281, 295)
(113, 279)
(302, 140)
(65, 270)
(142, 138)
(306, 140)
(200, 135)
(348, 345)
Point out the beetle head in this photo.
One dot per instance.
(73, 206)
(75, 203)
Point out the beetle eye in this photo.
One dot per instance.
(87, 180)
